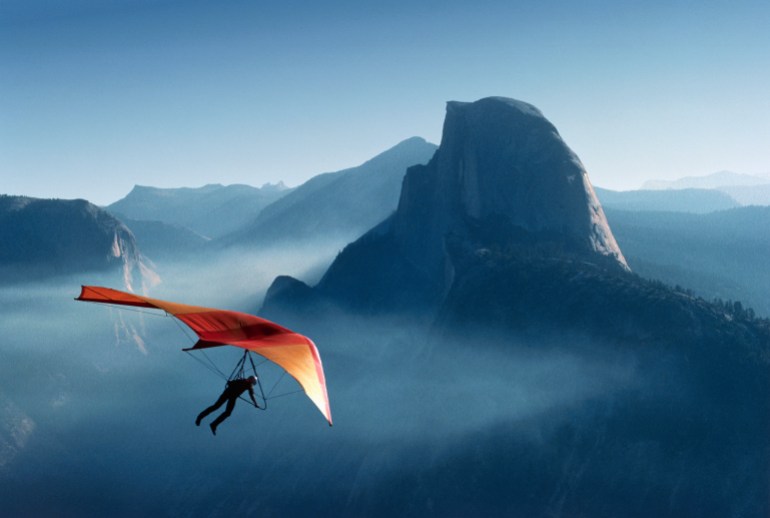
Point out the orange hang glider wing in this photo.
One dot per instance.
(295, 353)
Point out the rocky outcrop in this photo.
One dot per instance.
(501, 176)
(500, 158)
(55, 237)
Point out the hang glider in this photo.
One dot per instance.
(295, 353)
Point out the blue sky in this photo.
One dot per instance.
(99, 95)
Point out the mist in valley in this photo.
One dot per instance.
(99, 403)
(494, 357)
(238, 277)
(541, 385)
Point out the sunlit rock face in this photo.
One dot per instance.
(502, 177)
(501, 159)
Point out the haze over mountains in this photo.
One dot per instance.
(717, 255)
(340, 205)
(710, 181)
(337, 206)
(489, 327)
(683, 200)
(744, 188)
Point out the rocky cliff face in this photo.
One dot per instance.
(502, 175)
(55, 237)
(500, 158)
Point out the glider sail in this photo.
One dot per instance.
(295, 353)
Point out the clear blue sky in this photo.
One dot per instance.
(99, 95)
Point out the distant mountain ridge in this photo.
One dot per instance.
(710, 181)
(744, 188)
(211, 211)
(340, 205)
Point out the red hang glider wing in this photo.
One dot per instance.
(295, 353)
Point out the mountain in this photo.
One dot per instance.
(552, 382)
(211, 211)
(55, 237)
(718, 255)
(700, 386)
(340, 205)
(501, 167)
(680, 200)
(500, 242)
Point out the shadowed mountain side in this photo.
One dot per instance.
(54, 237)
(684, 200)
(749, 195)
(371, 276)
(522, 293)
(697, 404)
(163, 240)
(632, 455)
(211, 211)
(344, 204)
(687, 434)
(297, 295)
(701, 407)
(719, 255)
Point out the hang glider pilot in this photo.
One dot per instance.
(233, 390)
